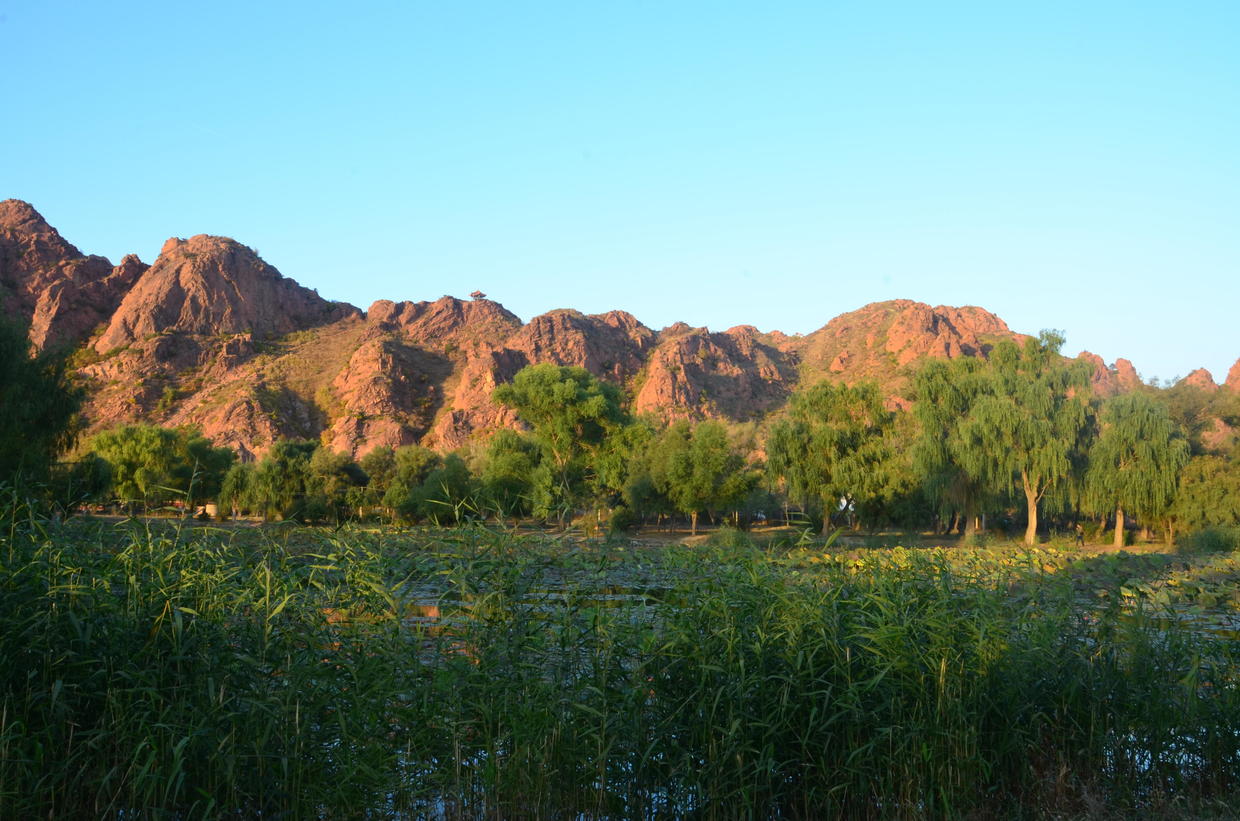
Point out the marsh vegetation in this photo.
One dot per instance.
(159, 670)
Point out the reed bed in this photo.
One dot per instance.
(194, 673)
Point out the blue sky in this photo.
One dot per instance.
(1065, 165)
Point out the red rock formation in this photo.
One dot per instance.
(1119, 378)
(883, 340)
(203, 337)
(1101, 379)
(46, 281)
(1200, 378)
(447, 321)
(213, 285)
(389, 392)
(1126, 376)
(1233, 377)
(611, 345)
(731, 375)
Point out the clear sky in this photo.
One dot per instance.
(1071, 165)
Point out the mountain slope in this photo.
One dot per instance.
(212, 335)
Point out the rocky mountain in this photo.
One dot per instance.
(46, 281)
(214, 285)
(212, 335)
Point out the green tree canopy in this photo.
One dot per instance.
(698, 469)
(1209, 494)
(379, 465)
(282, 480)
(944, 392)
(154, 465)
(38, 406)
(1135, 462)
(570, 414)
(832, 446)
(1020, 420)
(411, 464)
(509, 465)
(448, 495)
(335, 486)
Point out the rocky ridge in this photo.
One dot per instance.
(212, 335)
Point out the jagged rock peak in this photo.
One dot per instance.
(21, 214)
(211, 285)
(1126, 376)
(1200, 378)
(611, 345)
(445, 320)
(1233, 377)
(28, 243)
(48, 283)
(874, 341)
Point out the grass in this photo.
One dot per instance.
(155, 671)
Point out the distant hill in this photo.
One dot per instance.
(210, 334)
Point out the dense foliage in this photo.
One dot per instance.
(37, 406)
(183, 673)
(1007, 440)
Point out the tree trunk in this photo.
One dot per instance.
(1119, 527)
(693, 522)
(1031, 507)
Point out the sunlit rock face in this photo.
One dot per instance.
(211, 335)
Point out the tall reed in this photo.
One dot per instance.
(198, 673)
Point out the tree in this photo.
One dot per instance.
(1209, 494)
(203, 466)
(1021, 420)
(831, 448)
(379, 465)
(1190, 408)
(334, 485)
(945, 391)
(507, 473)
(700, 470)
(153, 465)
(141, 459)
(38, 406)
(411, 465)
(237, 489)
(1134, 464)
(281, 480)
(449, 494)
(570, 414)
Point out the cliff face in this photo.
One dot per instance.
(212, 335)
(1110, 381)
(694, 374)
(48, 283)
(214, 285)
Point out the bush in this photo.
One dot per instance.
(730, 537)
(1211, 540)
(622, 520)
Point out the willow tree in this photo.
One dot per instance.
(1135, 464)
(1209, 494)
(698, 469)
(945, 391)
(1021, 421)
(153, 464)
(831, 448)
